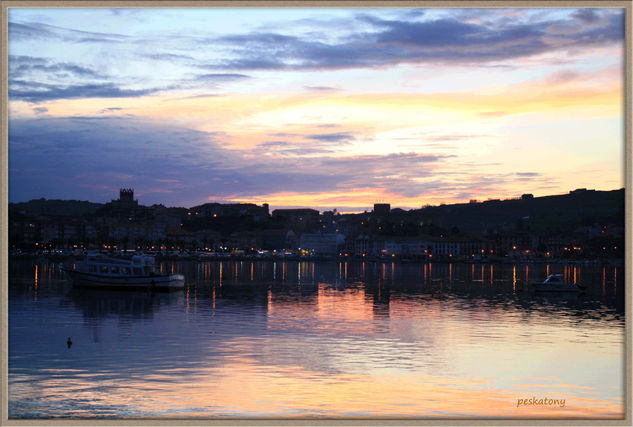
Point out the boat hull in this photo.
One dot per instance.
(156, 282)
(544, 287)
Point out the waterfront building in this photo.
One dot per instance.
(322, 243)
(405, 245)
(460, 246)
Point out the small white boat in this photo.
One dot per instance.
(102, 272)
(556, 283)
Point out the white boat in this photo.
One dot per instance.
(103, 272)
(556, 283)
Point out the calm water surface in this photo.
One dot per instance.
(309, 339)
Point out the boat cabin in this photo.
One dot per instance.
(138, 266)
(554, 279)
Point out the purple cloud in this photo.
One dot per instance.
(86, 157)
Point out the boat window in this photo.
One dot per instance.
(147, 269)
(92, 268)
(138, 271)
(114, 269)
(103, 268)
(125, 270)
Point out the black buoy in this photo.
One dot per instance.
(69, 342)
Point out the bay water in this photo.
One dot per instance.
(299, 339)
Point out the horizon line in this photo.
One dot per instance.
(352, 210)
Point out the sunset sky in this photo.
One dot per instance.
(323, 108)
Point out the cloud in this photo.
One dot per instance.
(37, 30)
(321, 88)
(69, 157)
(52, 156)
(301, 145)
(284, 149)
(65, 80)
(370, 41)
(220, 77)
(299, 151)
(24, 31)
(40, 110)
(527, 174)
(170, 57)
(252, 64)
(414, 13)
(452, 137)
(586, 16)
(36, 79)
(285, 134)
(90, 157)
(315, 138)
(39, 92)
(268, 144)
(110, 110)
(339, 137)
(381, 162)
(21, 66)
(444, 40)
(451, 33)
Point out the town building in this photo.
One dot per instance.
(215, 210)
(381, 211)
(322, 243)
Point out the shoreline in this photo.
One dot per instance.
(332, 258)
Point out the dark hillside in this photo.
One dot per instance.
(55, 207)
(540, 215)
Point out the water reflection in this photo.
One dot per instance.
(317, 339)
(98, 304)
